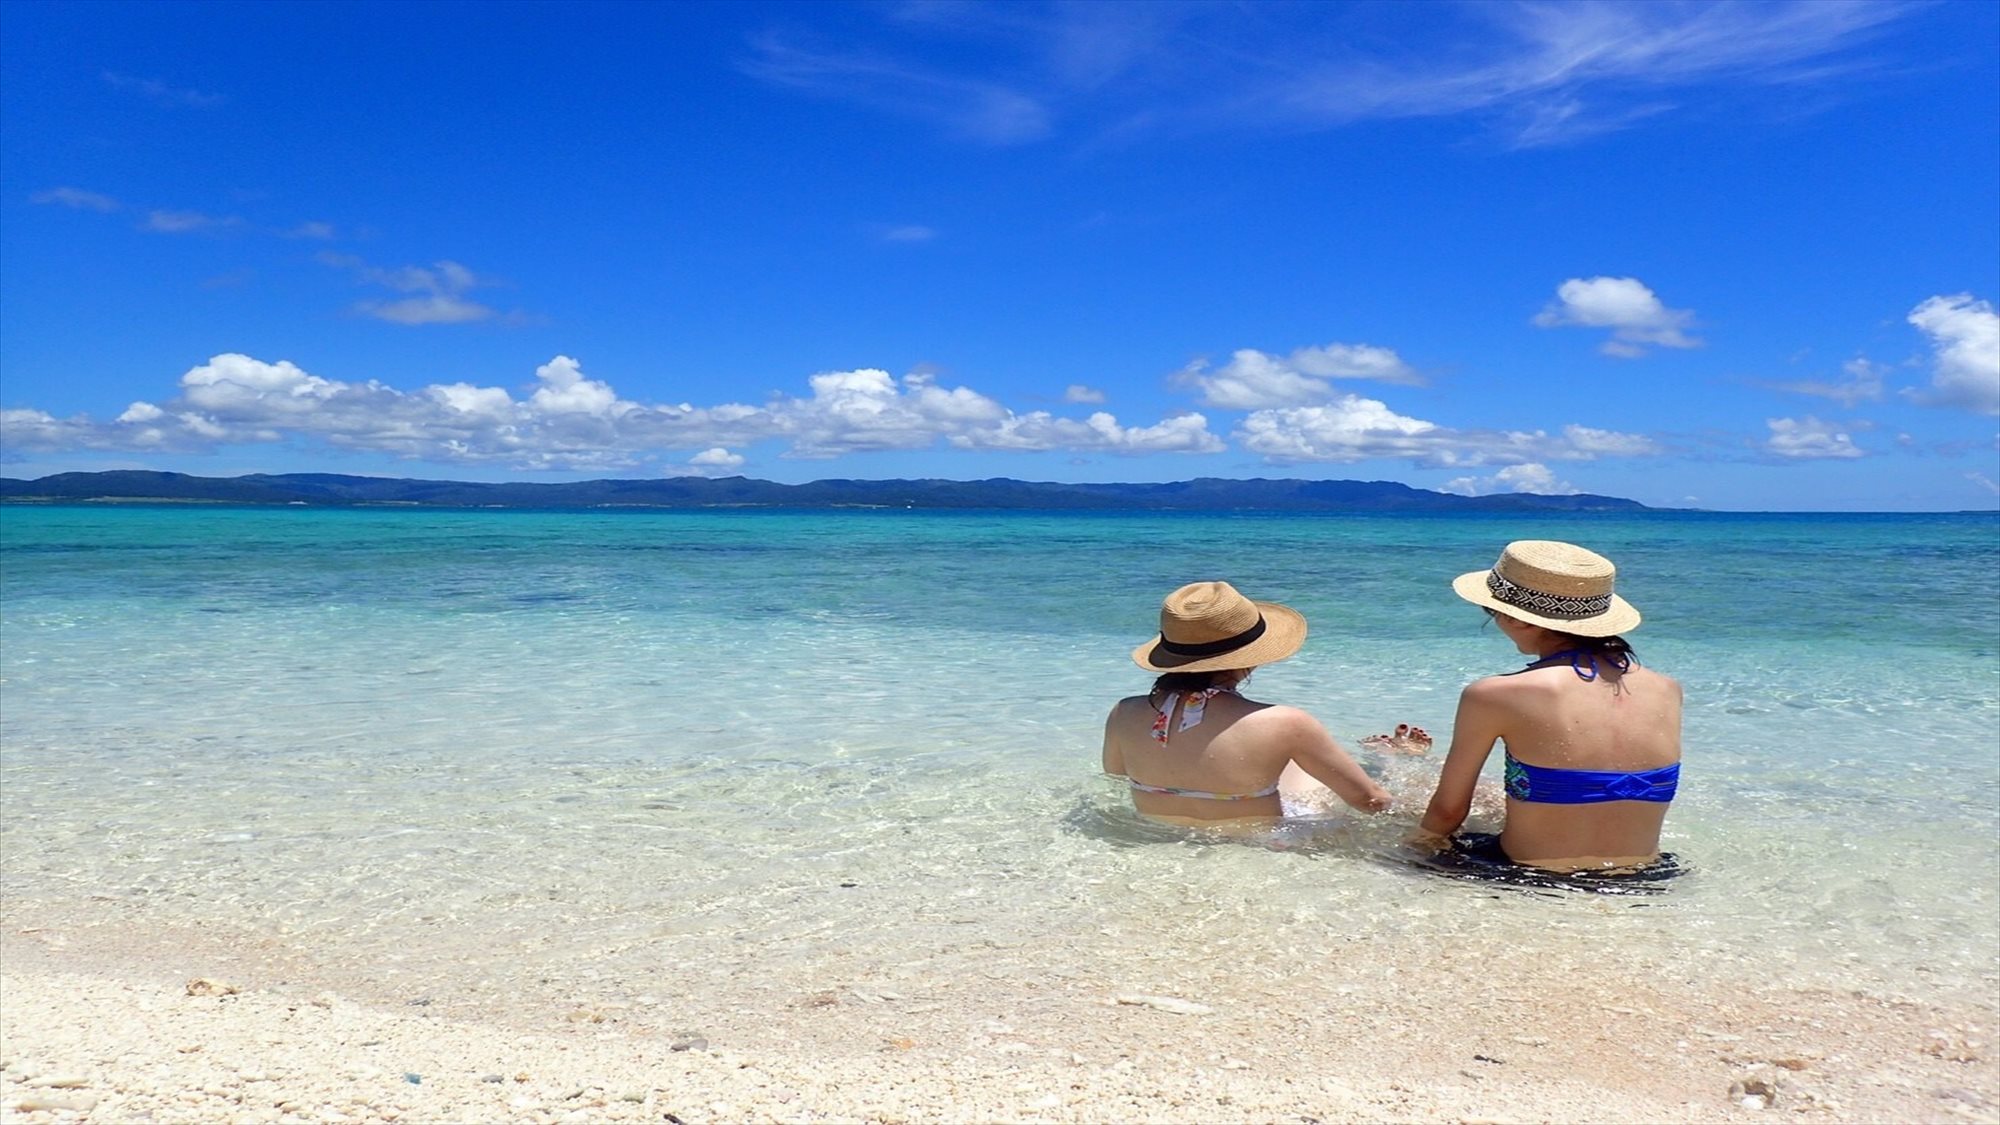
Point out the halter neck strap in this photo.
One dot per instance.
(1192, 708)
(1583, 661)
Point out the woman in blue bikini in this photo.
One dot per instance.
(1592, 739)
(1194, 750)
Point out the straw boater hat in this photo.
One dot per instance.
(1208, 626)
(1558, 586)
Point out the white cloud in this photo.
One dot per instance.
(717, 457)
(564, 390)
(439, 290)
(1625, 305)
(1609, 443)
(1554, 73)
(438, 308)
(1354, 429)
(491, 403)
(238, 387)
(1535, 478)
(1984, 481)
(712, 462)
(1537, 73)
(322, 232)
(1809, 438)
(1862, 384)
(910, 233)
(867, 409)
(1965, 344)
(1526, 477)
(1184, 433)
(570, 421)
(184, 222)
(1350, 428)
(76, 199)
(161, 92)
(1078, 393)
(984, 110)
(37, 429)
(1253, 379)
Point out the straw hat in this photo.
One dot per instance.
(1208, 626)
(1558, 586)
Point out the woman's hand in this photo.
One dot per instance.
(1428, 842)
(1407, 740)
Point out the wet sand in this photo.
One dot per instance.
(98, 1023)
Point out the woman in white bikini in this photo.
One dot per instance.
(1194, 750)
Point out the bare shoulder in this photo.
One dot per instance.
(1507, 695)
(1277, 721)
(1131, 703)
(1648, 675)
(1493, 689)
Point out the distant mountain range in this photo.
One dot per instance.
(1203, 494)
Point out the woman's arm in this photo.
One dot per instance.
(1478, 726)
(1114, 756)
(1315, 751)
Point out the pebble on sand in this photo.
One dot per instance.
(59, 1082)
(57, 1103)
(1173, 1004)
(1758, 1085)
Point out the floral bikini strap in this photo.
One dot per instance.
(1191, 710)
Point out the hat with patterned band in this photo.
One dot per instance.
(1555, 585)
(1209, 627)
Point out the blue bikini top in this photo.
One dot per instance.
(1547, 785)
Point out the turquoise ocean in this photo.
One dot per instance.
(772, 747)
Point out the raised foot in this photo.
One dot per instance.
(1406, 740)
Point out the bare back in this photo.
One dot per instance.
(1621, 722)
(1226, 766)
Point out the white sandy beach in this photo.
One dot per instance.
(98, 1023)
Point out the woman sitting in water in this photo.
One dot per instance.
(1196, 751)
(1593, 740)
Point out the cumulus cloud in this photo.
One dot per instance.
(1353, 428)
(76, 199)
(1863, 383)
(712, 462)
(1253, 380)
(1965, 344)
(1634, 313)
(567, 420)
(1185, 433)
(1078, 393)
(1526, 477)
(717, 457)
(1808, 438)
(438, 291)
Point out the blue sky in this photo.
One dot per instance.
(1736, 256)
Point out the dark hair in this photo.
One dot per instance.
(1614, 649)
(1188, 681)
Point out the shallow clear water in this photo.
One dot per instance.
(756, 743)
